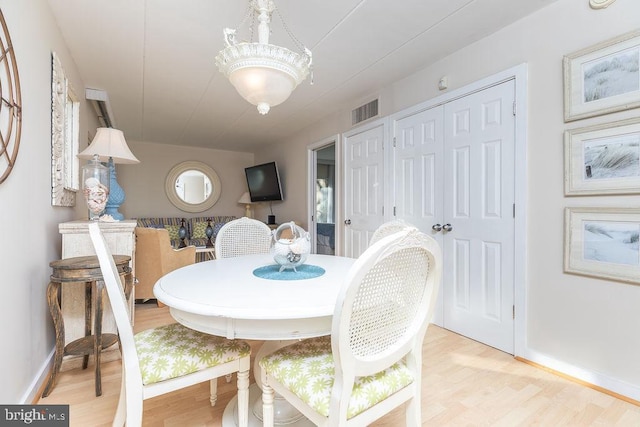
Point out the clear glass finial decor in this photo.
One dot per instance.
(95, 186)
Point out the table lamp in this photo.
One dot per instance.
(245, 200)
(110, 146)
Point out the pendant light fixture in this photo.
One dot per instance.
(264, 74)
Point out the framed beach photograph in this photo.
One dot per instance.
(603, 242)
(603, 159)
(603, 78)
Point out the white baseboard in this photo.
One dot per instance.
(598, 379)
(31, 394)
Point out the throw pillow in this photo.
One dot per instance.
(174, 231)
(199, 230)
(216, 227)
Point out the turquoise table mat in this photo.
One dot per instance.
(304, 271)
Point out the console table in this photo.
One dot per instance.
(120, 237)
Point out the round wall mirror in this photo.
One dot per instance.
(193, 186)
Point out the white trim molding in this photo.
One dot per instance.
(311, 188)
(597, 379)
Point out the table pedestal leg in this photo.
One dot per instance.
(230, 415)
(284, 413)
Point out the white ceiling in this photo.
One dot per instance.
(155, 58)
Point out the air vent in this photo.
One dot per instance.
(364, 112)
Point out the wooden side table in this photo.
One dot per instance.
(84, 271)
(120, 236)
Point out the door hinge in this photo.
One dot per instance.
(394, 142)
(514, 312)
(383, 211)
(394, 211)
(514, 108)
(514, 210)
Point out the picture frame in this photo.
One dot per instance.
(603, 243)
(603, 78)
(603, 159)
(65, 107)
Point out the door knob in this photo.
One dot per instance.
(347, 221)
(436, 227)
(447, 227)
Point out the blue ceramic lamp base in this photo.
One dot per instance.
(116, 194)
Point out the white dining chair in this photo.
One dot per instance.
(371, 363)
(388, 228)
(167, 358)
(243, 236)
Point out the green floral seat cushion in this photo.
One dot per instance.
(306, 368)
(174, 350)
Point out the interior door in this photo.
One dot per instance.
(418, 170)
(418, 175)
(478, 223)
(454, 178)
(364, 187)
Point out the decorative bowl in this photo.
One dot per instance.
(291, 246)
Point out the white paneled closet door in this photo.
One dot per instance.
(418, 175)
(364, 187)
(479, 141)
(454, 178)
(418, 169)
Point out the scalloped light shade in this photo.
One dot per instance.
(262, 73)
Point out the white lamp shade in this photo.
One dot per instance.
(109, 143)
(245, 199)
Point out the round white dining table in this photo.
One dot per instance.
(224, 297)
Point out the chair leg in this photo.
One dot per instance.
(213, 395)
(267, 405)
(243, 398)
(412, 414)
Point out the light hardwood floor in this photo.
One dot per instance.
(465, 383)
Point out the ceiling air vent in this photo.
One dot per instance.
(364, 112)
(100, 101)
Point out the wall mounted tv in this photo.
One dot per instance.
(263, 182)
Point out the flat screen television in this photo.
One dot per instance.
(263, 182)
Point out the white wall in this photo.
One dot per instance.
(28, 222)
(291, 157)
(144, 182)
(585, 327)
